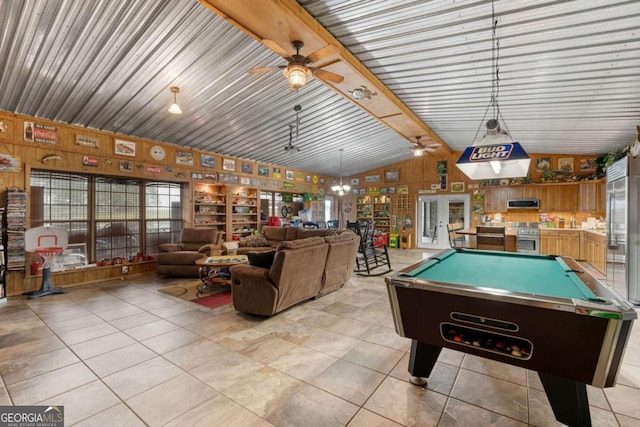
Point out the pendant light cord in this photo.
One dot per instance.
(495, 77)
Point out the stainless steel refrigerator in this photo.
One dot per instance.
(623, 227)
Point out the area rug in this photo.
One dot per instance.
(214, 296)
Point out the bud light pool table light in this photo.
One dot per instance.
(495, 155)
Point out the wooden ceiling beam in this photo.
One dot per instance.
(283, 21)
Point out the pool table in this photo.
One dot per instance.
(540, 312)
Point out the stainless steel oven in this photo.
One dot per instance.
(528, 244)
(527, 237)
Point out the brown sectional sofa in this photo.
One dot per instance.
(275, 235)
(302, 269)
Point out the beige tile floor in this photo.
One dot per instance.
(122, 354)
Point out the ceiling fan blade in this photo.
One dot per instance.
(328, 75)
(322, 53)
(433, 146)
(276, 48)
(262, 69)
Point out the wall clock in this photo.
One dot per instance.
(157, 152)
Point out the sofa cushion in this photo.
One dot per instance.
(300, 243)
(274, 233)
(179, 258)
(199, 235)
(261, 259)
(256, 241)
(304, 233)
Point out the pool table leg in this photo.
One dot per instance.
(422, 359)
(568, 399)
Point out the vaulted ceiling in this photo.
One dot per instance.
(569, 79)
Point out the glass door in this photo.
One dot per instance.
(435, 212)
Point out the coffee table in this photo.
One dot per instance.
(214, 270)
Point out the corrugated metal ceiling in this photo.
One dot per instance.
(569, 79)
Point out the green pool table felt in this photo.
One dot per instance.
(522, 273)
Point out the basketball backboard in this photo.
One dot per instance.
(45, 237)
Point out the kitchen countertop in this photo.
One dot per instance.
(596, 232)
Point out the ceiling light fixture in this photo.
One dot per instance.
(175, 108)
(341, 189)
(297, 75)
(418, 149)
(362, 93)
(495, 155)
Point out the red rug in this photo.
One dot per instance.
(215, 300)
(214, 296)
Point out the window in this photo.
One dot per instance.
(163, 219)
(115, 217)
(61, 200)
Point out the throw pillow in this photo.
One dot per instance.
(256, 241)
(261, 259)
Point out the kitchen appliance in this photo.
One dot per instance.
(622, 228)
(523, 204)
(527, 237)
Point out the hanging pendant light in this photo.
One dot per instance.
(495, 155)
(341, 189)
(175, 108)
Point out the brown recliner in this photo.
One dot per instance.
(179, 259)
(295, 275)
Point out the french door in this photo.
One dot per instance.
(435, 212)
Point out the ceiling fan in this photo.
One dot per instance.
(419, 148)
(300, 68)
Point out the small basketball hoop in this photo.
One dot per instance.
(48, 255)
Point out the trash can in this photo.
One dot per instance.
(394, 240)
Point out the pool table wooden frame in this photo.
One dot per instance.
(573, 342)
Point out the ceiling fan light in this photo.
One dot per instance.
(418, 151)
(297, 75)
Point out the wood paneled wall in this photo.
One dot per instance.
(419, 174)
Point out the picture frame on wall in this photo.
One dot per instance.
(288, 175)
(263, 170)
(588, 164)
(207, 161)
(184, 158)
(124, 148)
(565, 164)
(228, 164)
(247, 167)
(276, 173)
(392, 175)
(543, 164)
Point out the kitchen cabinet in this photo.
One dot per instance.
(549, 242)
(522, 192)
(558, 197)
(560, 241)
(591, 196)
(569, 243)
(593, 250)
(495, 199)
